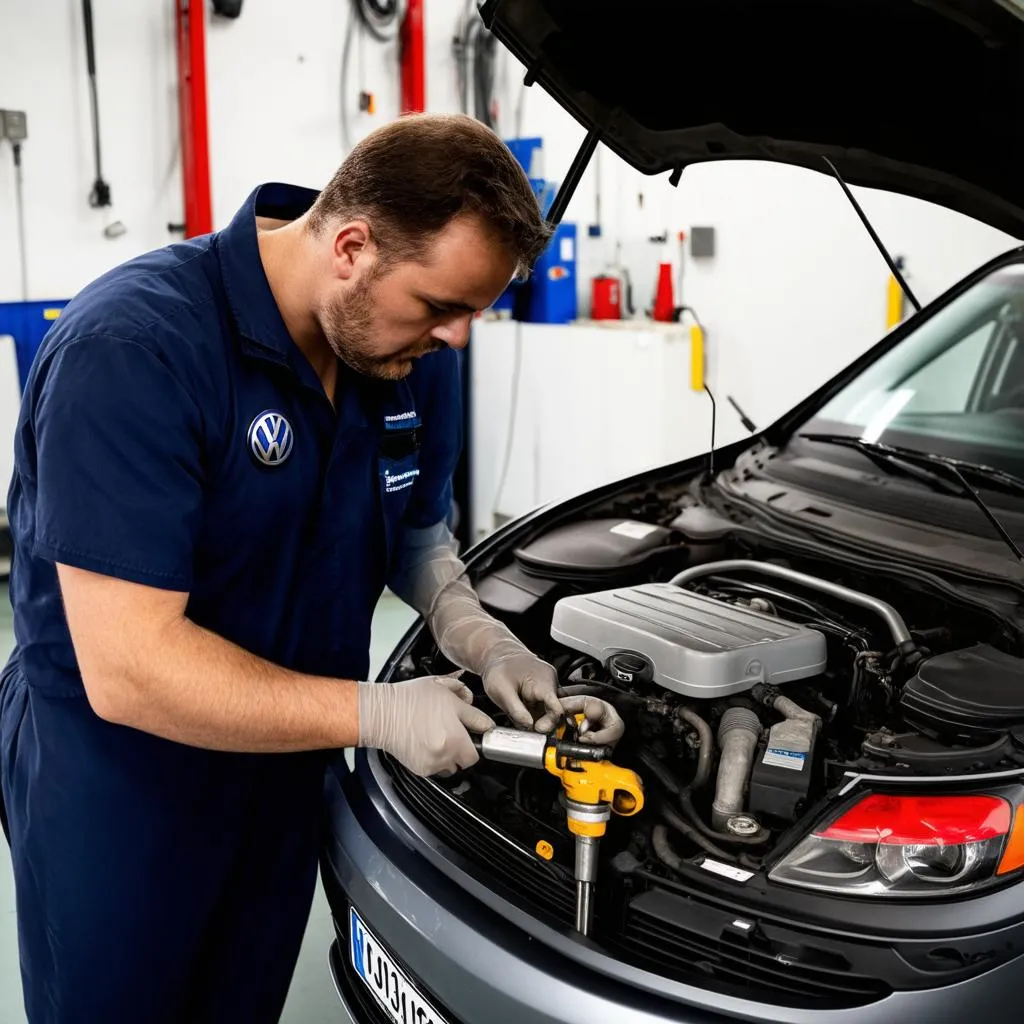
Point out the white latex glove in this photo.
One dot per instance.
(430, 577)
(425, 723)
(602, 724)
(518, 679)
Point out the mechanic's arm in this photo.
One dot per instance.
(145, 665)
(430, 576)
(121, 431)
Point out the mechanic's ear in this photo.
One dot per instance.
(352, 244)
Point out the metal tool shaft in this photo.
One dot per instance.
(584, 906)
(527, 749)
(586, 876)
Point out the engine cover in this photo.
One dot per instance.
(698, 646)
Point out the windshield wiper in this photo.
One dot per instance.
(887, 458)
(923, 466)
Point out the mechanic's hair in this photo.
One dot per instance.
(409, 178)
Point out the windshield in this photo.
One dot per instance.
(955, 386)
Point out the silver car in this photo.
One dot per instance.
(817, 811)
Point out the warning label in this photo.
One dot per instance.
(785, 759)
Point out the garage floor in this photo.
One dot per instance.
(312, 997)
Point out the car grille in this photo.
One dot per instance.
(639, 938)
(739, 966)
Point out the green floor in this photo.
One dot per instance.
(312, 997)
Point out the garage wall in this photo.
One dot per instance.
(274, 106)
(795, 280)
(42, 71)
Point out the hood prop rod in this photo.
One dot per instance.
(573, 178)
(901, 280)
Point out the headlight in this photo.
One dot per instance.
(909, 846)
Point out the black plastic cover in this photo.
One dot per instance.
(596, 549)
(509, 591)
(968, 695)
(919, 96)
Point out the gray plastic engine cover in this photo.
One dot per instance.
(699, 647)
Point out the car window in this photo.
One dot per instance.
(954, 386)
(945, 383)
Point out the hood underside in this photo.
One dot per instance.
(921, 97)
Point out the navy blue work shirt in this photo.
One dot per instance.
(173, 435)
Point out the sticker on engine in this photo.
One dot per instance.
(785, 759)
(726, 870)
(635, 530)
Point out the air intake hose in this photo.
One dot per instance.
(738, 733)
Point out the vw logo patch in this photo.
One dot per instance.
(270, 438)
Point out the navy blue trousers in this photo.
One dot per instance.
(155, 883)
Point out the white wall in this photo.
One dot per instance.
(274, 93)
(795, 281)
(42, 71)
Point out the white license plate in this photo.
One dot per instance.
(396, 994)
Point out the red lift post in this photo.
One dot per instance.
(414, 61)
(195, 134)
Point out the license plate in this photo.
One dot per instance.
(391, 988)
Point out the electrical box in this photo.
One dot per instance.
(13, 125)
(702, 242)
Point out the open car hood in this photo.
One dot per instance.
(922, 97)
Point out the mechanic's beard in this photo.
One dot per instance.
(348, 327)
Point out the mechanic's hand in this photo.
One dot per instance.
(519, 679)
(425, 723)
(602, 724)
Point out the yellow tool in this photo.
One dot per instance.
(592, 790)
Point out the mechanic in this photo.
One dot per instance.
(226, 449)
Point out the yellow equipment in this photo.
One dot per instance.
(593, 789)
(696, 357)
(592, 792)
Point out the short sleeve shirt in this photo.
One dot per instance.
(172, 434)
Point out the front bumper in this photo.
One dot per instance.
(478, 958)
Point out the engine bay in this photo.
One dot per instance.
(752, 685)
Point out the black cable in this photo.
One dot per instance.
(679, 311)
(663, 849)
(377, 17)
(475, 49)
(714, 420)
(674, 820)
(516, 373)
